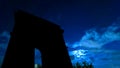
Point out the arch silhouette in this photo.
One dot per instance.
(31, 32)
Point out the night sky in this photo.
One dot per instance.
(88, 24)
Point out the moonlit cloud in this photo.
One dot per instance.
(95, 39)
(100, 45)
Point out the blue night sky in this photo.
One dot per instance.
(91, 27)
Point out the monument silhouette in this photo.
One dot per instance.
(31, 32)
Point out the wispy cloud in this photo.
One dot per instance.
(96, 39)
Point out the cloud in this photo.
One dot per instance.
(101, 45)
(95, 39)
(4, 39)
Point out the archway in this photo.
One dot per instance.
(37, 59)
(31, 32)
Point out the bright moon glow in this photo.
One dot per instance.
(79, 53)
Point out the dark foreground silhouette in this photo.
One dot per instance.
(31, 32)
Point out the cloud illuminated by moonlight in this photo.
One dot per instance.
(95, 39)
